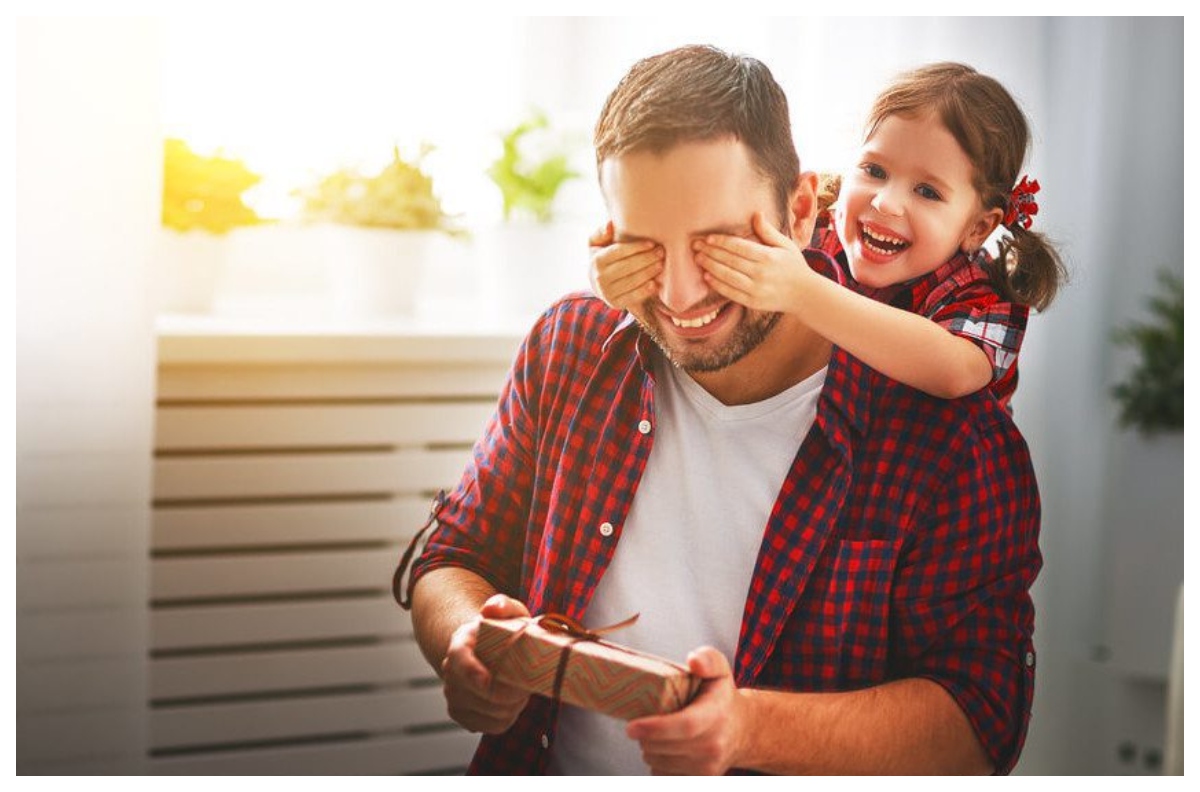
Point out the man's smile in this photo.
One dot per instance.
(699, 321)
(696, 325)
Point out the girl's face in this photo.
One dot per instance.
(909, 205)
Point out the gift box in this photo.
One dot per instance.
(599, 675)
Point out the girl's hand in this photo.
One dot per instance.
(623, 274)
(770, 276)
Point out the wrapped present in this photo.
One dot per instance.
(554, 657)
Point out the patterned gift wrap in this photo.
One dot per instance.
(599, 675)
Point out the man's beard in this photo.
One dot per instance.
(749, 333)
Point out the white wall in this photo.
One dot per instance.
(88, 184)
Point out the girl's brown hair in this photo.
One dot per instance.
(993, 133)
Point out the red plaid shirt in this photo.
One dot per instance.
(959, 296)
(902, 544)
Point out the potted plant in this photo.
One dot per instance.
(1144, 514)
(379, 228)
(202, 201)
(534, 253)
(529, 180)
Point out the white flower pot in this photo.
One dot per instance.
(188, 271)
(533, 264)
(376, 272)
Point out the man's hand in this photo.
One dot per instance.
(474, 698)
(770, 276)
(623, 274)
(705, 737)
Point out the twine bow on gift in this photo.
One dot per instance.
(565, 625)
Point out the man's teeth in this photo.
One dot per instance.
(699, 321)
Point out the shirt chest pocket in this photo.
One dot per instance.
(854, 609)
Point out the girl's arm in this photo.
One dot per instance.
(774, 276)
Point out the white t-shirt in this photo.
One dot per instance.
(689, 545)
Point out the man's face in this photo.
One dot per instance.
(673, 199)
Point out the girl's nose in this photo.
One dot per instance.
(887, 201)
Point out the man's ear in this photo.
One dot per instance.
(981, 229)
(804, 208)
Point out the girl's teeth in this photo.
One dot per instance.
(699, 321)
(876, 242)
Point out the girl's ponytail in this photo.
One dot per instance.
(1029, 267)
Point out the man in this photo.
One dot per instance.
(862, 552)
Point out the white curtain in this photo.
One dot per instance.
(88, 184)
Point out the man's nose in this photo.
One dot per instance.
(682, 283)
(888, 200)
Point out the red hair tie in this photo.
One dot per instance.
(1021, 204)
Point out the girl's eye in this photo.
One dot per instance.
(873, 170)
(927, 192)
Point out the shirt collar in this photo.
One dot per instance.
(643, 345)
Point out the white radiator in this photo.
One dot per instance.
(284, 495)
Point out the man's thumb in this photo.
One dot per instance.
(499, 606)
(708, 663)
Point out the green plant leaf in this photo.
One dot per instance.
(529, 185)
(1151, 396)
(400, 196)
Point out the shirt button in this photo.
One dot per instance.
(545, 741)
(606, 529)
(1029, 659)
(644, 427)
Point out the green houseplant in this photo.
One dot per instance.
(399, 197)
(529, 179)
(1144, 504)
(533, 249)
(1151, 396)
(378, 231)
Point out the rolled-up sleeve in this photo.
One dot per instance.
(963, 611)
(481, 525)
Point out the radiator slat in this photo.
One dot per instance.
(383, 756)
(246, 624)
(272, 573)
(395, 663)
(289, 524)
(258, 721)
(281, 425)
(280, 475)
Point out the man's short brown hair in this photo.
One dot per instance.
(698, 94)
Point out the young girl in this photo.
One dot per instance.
(926, 305)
